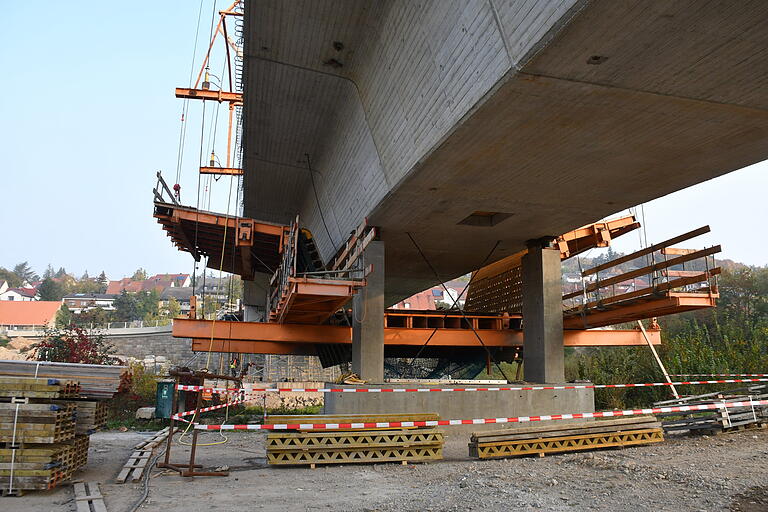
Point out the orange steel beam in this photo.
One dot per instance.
(586, 237)
(236, 336)
(206, 94)
(221, 170)
(190, 214)
(653, 307)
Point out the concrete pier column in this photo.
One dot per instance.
(542, 313)
(368, 319)
(255, 298)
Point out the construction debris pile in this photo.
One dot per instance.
(354, 445)
(565, 437)
(721, 419)
(47, 413)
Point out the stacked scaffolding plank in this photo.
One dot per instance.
(719, 420)
(354, 445)
(39, 447)
(96, 381)
(566, 437)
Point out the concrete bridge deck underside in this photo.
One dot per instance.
(551, 114)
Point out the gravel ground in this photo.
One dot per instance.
(685, 473)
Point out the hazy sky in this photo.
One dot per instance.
(89, 116)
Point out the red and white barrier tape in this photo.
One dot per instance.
(481, 421)
(434, 390)
(178, 416)
(719, 375)
(186, 387)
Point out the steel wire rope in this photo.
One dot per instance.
(197, 213)
(317, 201)
(474, 331)
(455, 303)
(185, 104)
(221, 266)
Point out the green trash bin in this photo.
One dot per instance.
(164, 399)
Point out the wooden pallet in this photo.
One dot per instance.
(88, 497)
(311, 448)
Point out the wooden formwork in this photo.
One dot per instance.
(30, 387)
(35, 467)
(37, 423)
(91, 415)
(566, 437)
(310, 448)
(566, 444)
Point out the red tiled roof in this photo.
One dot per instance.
(130, 286)
(421, 300)
(27, 292)
(35, 312)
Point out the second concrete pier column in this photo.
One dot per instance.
(542, 313)
(368, 319)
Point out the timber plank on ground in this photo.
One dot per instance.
(88, 497)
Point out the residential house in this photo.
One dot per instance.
(429, 299)
(79, 302)
(19, 294)
(181, 294)
(28, 314)
(3, 286)
(176, 280)
(157, 282)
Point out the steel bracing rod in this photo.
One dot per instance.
(471, 325)
(455, 302)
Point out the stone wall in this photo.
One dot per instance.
(144, 346)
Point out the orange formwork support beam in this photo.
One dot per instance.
(273, 338)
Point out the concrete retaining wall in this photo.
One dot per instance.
(463, 405)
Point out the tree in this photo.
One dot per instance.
(126, 307)
(139, 275)
(149, 304)
(86, 286)
(174, 308)
(11, 278)
(103, 282)
(63, 317)
(49, 273)
(51, 290)
(85, 275)
(25, 273)
(95, 316)
(61, 272)
(73, 345)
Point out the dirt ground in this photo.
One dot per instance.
(685, 473)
